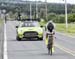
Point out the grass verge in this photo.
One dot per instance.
(1, 22)
(62, 28)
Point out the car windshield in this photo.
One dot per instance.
(30, 24)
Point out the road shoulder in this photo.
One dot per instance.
(64, 34)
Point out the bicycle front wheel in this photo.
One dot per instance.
(51, 51)
(48, 51)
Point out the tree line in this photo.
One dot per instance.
(56, 12)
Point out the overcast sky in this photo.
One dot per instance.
(56, 1)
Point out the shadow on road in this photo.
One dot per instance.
(25, 40)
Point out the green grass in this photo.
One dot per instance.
(62, 28)
(1, 22)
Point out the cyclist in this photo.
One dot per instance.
(50, 26)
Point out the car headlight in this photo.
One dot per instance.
(20, 31)
(40, 31)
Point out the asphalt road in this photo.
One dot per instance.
(1, 41)
(64, 46)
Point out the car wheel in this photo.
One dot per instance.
(19, 39)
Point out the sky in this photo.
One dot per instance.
(56, 1)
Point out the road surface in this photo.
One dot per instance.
(64, 46)
(1, 40)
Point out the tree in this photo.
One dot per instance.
(51, 16)
(71, 17)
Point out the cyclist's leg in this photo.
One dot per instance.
(53, 49)
(53, 46)
(46, 40)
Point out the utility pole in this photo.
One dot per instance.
(66, 19)
(46, 9)
(30, 11)
(4, 15)
(36, 9)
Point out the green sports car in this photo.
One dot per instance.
(29, 29)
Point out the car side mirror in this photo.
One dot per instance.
(41, 26)
(16, 26)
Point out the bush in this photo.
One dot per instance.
(71, 18)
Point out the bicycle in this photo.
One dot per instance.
(50, 42)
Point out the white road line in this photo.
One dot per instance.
(5, 43)
(65, 49)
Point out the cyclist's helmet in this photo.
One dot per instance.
(50, 26)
